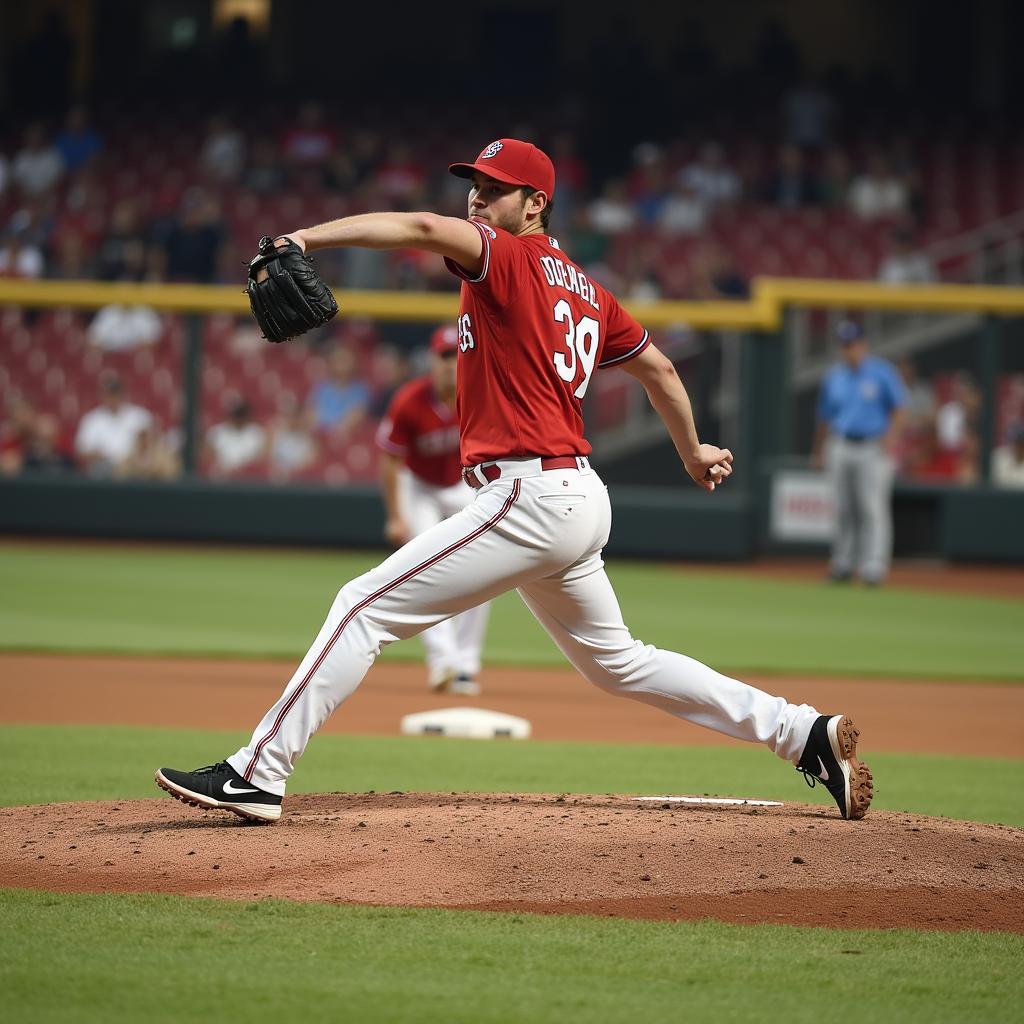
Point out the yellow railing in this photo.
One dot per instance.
(762, 312)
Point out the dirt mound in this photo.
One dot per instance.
(610, 856)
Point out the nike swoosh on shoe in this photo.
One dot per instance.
(231, 791)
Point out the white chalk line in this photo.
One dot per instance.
(708, 800)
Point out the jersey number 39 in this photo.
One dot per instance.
(581, 343)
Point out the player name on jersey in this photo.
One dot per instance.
(561, 275)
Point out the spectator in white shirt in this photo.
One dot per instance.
(956, 427)
(20, 258)
(905, 264)
(1008, 459)
(236, 444)
(107, 435)
(118, 328)
(712, 180)
(878, 192)
(291, 447)
(37, 165)
(612, 212)
(683, 212)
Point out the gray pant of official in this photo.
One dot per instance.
(862, 475)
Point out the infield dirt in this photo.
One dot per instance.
(568, 854)
(958, 719)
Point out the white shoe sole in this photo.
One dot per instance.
(251, 812)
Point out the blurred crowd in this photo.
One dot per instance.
(61, 222)
(122, 196)
(349, 394)
(77, 204)
(295, 435)
(941, 435)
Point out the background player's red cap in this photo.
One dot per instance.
(445, 339)
(513, 162)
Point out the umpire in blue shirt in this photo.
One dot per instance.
(860, 410)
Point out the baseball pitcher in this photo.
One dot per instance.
(533, 330)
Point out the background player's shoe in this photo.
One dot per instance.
(464, 685)
(440, 679)
(219, 785)
(447, 680)
(830, 757)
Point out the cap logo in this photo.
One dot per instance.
(492, 150)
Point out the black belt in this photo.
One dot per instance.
(860, 438)
(492, 471)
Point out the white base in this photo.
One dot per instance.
(466, 723)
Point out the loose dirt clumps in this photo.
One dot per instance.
(608, 856)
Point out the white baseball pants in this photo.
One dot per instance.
(453, 645)
(541, 532)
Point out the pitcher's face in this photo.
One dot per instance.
(498, 204)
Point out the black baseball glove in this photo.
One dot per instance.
(285, 292)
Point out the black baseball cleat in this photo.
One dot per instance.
(219, 785)
(830, 757)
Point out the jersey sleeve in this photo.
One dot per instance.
(624, 337)
(395, 433)
(503, 255)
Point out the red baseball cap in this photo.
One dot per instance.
(513, 162)
(445, 339)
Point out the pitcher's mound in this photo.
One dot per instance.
(604, 855)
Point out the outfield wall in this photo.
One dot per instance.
(968, 524)
(648, 522)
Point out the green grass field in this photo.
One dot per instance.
(244, 603)
(173, 960)
(125, 958)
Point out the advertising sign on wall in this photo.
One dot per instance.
(802, 509)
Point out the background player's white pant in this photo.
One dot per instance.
(541, 532)
(862, 478)
(456, 643)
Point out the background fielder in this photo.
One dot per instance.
(421, 482)
(860, 412)
(532, 331)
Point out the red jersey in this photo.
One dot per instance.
(533, 328)
(423, 431)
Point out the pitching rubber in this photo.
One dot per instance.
(843, 736)
(260, 813)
